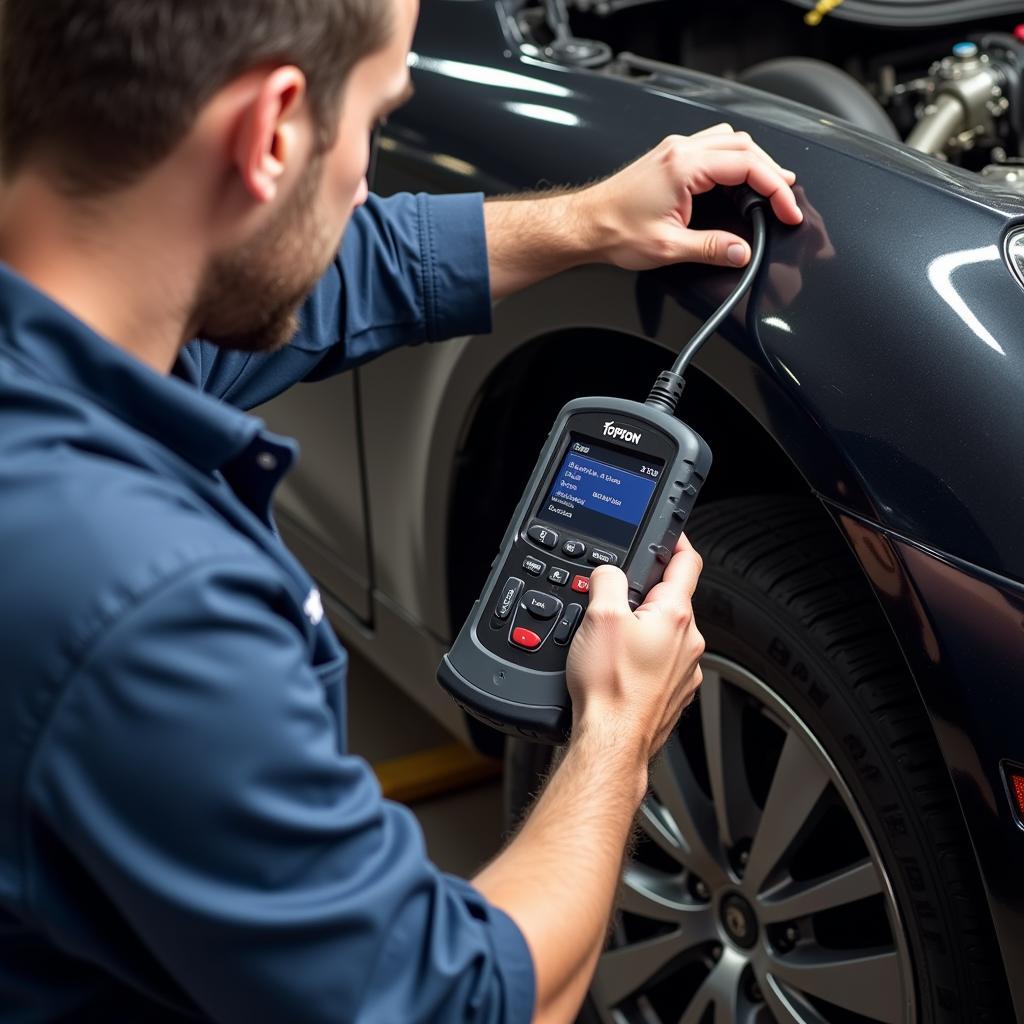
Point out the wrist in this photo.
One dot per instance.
(587, 228)
(608, 741)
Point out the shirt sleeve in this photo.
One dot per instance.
(192, 769)
(412, 268)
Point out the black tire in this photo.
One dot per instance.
(823, 86)
(781, 597)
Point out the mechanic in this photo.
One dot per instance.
(183, 835)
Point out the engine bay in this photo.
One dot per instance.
(946, 76)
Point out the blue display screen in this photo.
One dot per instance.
(598, 498)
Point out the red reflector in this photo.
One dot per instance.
(1013, 774)
(1019, 33)
(1017, 781)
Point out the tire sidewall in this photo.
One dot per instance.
(746, 627)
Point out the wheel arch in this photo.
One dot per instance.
(590, 332)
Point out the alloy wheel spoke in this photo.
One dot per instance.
(702, 999)
(659, 896)
(663, 833)
(676, 788)
(797, 785)
(721, 712)
(866, 981)
(720, 989)
(622, 971)
(792, 900)
(786, 1007)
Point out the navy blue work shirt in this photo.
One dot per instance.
(182, 834)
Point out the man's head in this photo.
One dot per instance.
(263, 109)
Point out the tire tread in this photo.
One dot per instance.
(818, 583)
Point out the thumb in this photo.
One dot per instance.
(608, 589)
(718, 248)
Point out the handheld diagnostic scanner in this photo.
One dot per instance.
(614, 485)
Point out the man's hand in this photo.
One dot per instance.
(639, 218)
(642, 214)
(631, 674)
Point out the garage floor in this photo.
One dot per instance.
(463, 830)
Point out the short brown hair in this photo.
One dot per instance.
(102, 90)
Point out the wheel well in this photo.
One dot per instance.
(513, 413)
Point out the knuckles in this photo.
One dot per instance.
(664, 249)
(603, 616)
(682, 614)
(700, 648)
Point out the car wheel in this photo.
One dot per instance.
(800, 856)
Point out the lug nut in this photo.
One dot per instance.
(701, 889)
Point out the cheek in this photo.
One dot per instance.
(348, 167)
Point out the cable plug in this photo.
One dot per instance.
(747, 200)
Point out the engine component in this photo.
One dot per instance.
(1010, 174)
(966, 98)
(565, 48)
(824, 87)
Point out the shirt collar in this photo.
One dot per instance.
(52, 344)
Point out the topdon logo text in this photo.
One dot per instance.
(621, 433)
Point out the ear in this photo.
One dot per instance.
(271, 132)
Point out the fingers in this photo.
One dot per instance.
(716, 248)
(609, 590)
(716, 129)
(675, 591)
(690, 561)
(743, 142)
(733, 167)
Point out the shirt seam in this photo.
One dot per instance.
(65, 685)
(428, 282)
(434, 326)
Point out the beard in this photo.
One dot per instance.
(249, 298)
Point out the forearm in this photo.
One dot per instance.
(637, 219)
(534, 237)
(560, 900)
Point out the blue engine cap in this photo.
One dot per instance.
(965, 49)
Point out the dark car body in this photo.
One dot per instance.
(878, 365)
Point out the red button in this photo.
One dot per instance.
(525, 638)
(581, 584)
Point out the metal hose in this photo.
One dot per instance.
(932, 133)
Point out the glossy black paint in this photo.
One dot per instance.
(906, 346)
(962, 634)
(883, 350)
